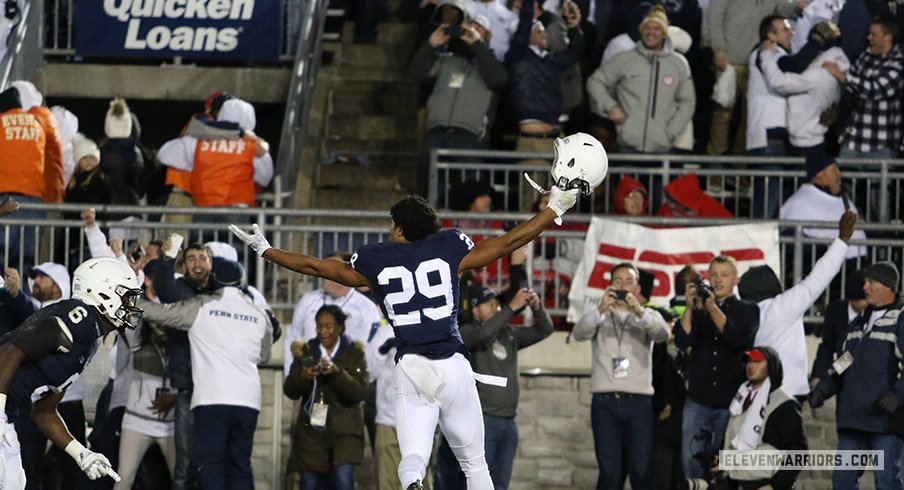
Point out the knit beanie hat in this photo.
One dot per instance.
(657, 14)
(83, 147)
(118, 123)
(884, 273)
(816, 163)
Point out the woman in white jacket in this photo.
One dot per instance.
(146, 421)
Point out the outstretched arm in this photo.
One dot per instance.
(333, 270)
(491, 249)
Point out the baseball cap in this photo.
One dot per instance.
(480, 295)
(58, 273)
(755, 355)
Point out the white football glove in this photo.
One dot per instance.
(96, 465)
(255, 240)
(561, 201)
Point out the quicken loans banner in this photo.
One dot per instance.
(228, 29)
(663, 252)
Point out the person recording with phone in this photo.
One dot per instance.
(824, 197)
(716, 328)
(494, 344)
(623, 332)
(468, 79)
(329, 375)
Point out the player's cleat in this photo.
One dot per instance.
(416, 486)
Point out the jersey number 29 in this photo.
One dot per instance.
(419, 282)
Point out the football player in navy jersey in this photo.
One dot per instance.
(47, 352)
(414, 277)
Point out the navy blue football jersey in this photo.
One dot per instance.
(416, 286)
(54, 372)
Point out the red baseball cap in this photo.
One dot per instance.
(755, 355)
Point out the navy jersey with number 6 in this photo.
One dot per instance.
(416, 285)
(77, 327)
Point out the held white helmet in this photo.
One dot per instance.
(580, 163)
(110, 286)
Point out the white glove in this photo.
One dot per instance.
(561, 201)
(255, 239)
(95, 465)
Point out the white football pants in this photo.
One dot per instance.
(12, 476)
(457, 410)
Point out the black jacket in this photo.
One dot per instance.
(715, 367)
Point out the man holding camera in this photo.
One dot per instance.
(716, 330)
(621, 413)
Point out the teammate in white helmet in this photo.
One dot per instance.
(414, 277)
(47, 352)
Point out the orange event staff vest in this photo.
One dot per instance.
(22, 141)
(223, 173)
(179, 178)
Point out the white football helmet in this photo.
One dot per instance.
(110, 286)
(580, 163)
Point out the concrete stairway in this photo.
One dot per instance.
(368, 150)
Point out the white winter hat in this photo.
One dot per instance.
(58, 273)
(238, 111)
(29, 95)
(224, 250)
(83, 147)
(118, 123)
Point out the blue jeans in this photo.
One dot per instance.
(856, 440)
(341, 478)
(699, 417)
(27, 235)
(622, 429)
(221, 446)
(501, 443)
(183, 431)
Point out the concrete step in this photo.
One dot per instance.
(405, 147)
(356, 198)
(386, 173)
(371, 73)
(376, 98)
(376, 56)
(388, 33)
(371, 127)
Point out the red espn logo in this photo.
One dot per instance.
(650, 261)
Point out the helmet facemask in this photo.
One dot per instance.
(127, 314)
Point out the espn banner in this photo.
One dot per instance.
(227, 29)
(664, 252)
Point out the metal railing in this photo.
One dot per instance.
(17, 62)
(550, 263)
(876, 186)
(301, 92)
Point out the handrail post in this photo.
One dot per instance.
(261, 263)
(433, 179)
(884, 184)
(798, 253)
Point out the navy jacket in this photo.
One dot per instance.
(873, 374)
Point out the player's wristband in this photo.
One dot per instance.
(75, 449)
(2, 402)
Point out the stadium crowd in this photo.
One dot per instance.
(723, 365)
